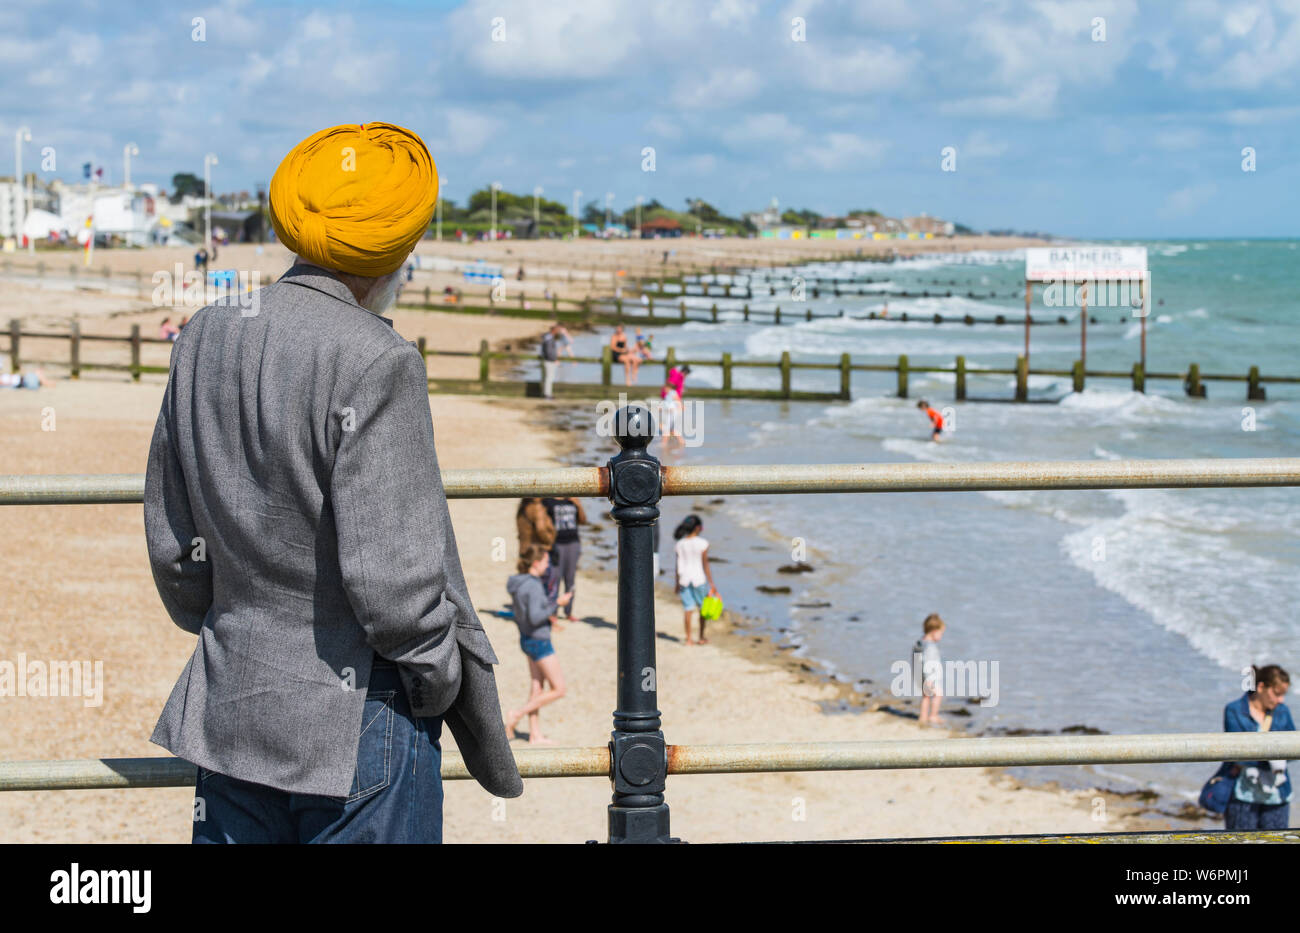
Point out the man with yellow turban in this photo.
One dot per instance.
(296, 523)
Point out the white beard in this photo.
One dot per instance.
(383, 295)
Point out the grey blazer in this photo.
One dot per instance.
(297, 524)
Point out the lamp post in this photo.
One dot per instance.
(537, 212)
(609, 205)
(442, 183)
(209, 160)
(577, 194)
(128, 150)
(24, 135)
(496, 186)
(639, 201)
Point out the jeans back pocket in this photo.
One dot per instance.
(374, 745)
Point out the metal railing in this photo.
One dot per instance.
(637, 760)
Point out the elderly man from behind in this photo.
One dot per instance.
(297, 524)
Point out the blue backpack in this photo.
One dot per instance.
(1218, 789)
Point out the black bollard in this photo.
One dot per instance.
(638, 754)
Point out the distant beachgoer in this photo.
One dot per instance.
(693, 572)
(677, 379)
(670, 415)
(546, 293)
(566, 515)
(635, 356)
(1261, 793)
(931, 668)
(533, 525)
(621, 352)
(665, 259)
(645, 300)
(32, 379)
(519, 276)
(936, 419)
(185, 320)
(884, 310)
(168, 331)
(550, 355)
(534, 615)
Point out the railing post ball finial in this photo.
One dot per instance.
(638, 753)
(634, 427)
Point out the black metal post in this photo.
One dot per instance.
(638, 754)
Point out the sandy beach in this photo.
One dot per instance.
(78, 586)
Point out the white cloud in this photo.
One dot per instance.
(662, 126)
(762, 128)
(1035, 99)
(469, 131)
(733, 12)
(871, 67)
(838, 151)
(980, 145)
(1187, 200)
(565, 39)
(1179, 139)
(723, 87)
(702, 164)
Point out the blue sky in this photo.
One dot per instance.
(1137, 135)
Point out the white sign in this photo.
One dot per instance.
(1085, 263)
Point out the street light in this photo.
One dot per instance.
(496, 186)
(537, 214)
(24, 135)
(209, 160)
(128, 150)
(442, 183)
(609, 204)
(639, 201)
(576, 196)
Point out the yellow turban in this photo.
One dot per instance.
(355, 198)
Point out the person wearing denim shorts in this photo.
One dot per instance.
(534, 611)
(693, 572)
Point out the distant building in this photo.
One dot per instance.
(768, 218)
(660, 227)
(14, 204)
(926, 224)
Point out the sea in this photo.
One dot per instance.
(1090, 611)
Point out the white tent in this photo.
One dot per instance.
(39, 224)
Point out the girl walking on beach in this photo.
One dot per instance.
(534, 614)
(1261, 793)
(693, 572)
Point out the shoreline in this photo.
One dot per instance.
(745, 637)
(740, 688)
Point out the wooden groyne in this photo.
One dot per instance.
(1193, 380)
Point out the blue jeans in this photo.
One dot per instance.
(396, 795)
(1241, 815)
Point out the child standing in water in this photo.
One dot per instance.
(534, 615)
(936, 419)
(693, 572)
(931, 669)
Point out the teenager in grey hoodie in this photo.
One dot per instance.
(534, 614)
